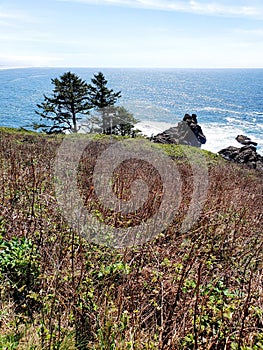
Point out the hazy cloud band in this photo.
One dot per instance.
(218, 8)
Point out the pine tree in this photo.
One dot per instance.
(69, 100)
(100, 97)
(121, 122)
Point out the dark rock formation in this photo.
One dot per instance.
(187, 132)
(245, 155)
(244, 140)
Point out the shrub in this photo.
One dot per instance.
(19, 270)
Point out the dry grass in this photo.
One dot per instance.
(196, 290)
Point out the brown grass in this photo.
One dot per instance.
(196, 290)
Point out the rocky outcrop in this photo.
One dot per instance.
(187, 132)
(244, 140)
(245, 155)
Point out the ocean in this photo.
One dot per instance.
(227, 102)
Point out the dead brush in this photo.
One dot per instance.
(201, 289)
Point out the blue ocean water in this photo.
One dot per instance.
(227, 102)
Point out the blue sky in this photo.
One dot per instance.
(131, 33)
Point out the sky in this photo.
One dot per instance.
(131, 33)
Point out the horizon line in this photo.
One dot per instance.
(4, 67)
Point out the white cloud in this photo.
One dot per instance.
(191, 6)
(221, 9)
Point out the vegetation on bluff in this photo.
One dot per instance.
(196, 290)
(73, 99)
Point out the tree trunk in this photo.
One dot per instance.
(74, 119)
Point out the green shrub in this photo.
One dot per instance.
(19, 270)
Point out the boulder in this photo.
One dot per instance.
(244, 140)
(187, 132)
(245, 155)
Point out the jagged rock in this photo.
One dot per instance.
(245, 155)
(229, 153)
(187, 132)
(244, 140)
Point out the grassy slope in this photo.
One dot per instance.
(196, 290)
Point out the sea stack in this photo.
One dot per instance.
(244, 155)
(187, 132)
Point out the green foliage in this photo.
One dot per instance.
(2, 227)
(218, 310)
(122, 122)
(73, 98)
(19, 269)
(9, 341)
(69, 100)
(101, 97)
(116, 269)
(21, 130)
